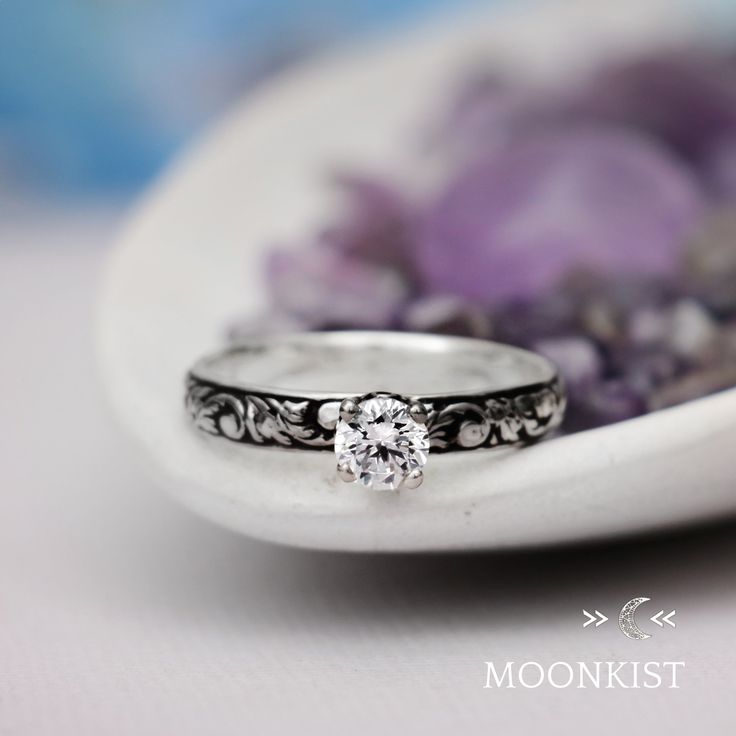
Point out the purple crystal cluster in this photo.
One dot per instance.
(596, 225)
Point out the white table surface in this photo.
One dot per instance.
(121, 613)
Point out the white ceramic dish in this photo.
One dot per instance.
(190, 260)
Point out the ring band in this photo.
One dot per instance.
(381, 400)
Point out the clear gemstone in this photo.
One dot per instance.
(382, 444)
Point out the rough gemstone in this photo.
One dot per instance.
(515, 223)
(382, 444)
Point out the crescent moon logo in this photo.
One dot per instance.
(626, 621)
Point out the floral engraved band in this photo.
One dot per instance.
(382, 401)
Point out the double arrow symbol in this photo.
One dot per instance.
(599, 618)
(666, 618)
(660, 619)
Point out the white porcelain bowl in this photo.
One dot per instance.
(190, 260)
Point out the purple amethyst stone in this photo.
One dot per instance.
(514, 225)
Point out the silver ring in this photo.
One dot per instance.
(382, 401)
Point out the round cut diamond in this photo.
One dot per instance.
(382, 443)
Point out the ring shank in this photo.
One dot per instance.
(285, 390)
(352, 363)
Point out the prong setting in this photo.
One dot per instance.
(413, 479)
(418, 412)
(345, 473)
(348, 409)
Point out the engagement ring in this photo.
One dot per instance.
(382, 401)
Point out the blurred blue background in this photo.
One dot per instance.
(96, 96)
